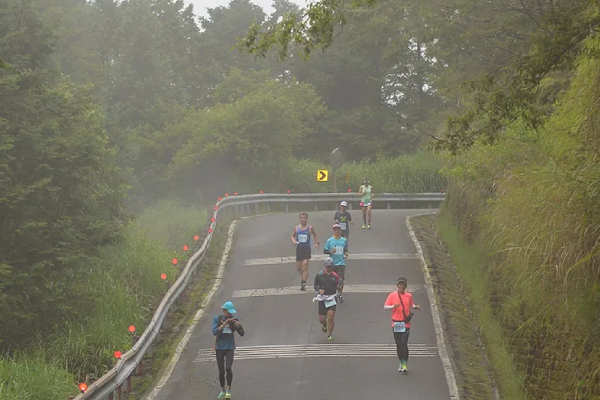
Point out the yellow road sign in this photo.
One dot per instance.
(322, 175)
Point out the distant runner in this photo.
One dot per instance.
(301, 239)
(400, 303)
(344, 218)
(366, 193)
(326, 283)
(337, 248)
(223, 327)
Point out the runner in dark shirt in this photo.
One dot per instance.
(344, 219)
(326, 285)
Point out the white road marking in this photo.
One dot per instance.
(199, 313)
(319, 350)
(323, 257)
(295, 290)
(437, 323)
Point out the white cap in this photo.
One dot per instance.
(343, 203)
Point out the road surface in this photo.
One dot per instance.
(284, 352)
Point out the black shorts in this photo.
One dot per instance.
(303, 253)
(323, 310)
(340, 270)
(346, 234)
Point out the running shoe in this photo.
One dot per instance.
(324, 328)
(222, 395)
(227, 394)
(330, 338)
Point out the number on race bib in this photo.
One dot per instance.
(343, 226)
(330, 303)
(399, 327)
(339, 250)
(302, 238)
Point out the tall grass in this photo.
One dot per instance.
(34, 377)
(122, 288)
(414, 173)
(172, 223)
(533, 201)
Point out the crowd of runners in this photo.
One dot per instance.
(328, 285)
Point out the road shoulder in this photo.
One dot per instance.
(465, 349)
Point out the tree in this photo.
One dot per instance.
(60, 192)
(252, 132)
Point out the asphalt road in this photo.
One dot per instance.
(284, 352)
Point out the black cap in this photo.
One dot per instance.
(401, 279)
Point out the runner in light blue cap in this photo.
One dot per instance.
(223, 327)
(229, 307)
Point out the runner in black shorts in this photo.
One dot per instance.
(301, 239)
(344, 219)
(326, 283)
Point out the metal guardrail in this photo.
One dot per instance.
(111, 384)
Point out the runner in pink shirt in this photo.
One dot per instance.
(401, 302)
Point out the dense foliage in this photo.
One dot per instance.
(108, 106)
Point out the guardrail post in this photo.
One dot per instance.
(269, 207)
(128, 385)
(388, 206)
(287, 207)
(255, 208)
(316, 207)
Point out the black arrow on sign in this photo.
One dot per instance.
(322, 177)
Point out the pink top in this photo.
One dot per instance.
(397, 313)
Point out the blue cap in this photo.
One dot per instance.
(229, 307)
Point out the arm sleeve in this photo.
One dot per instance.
(336, 217)
(346, 246)
(215, 325)
(317, 283)
(388, 307)
(240, 329)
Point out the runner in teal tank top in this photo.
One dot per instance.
(366, 201)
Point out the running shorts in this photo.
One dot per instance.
(323, 310)
(365, 204)
(303, 253)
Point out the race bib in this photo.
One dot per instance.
(302, 238)
(339, 250)
(330, 303)
(227, 329)
(343, 226)
(399, 327)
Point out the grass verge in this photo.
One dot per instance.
(479, 356)
(181, 316)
